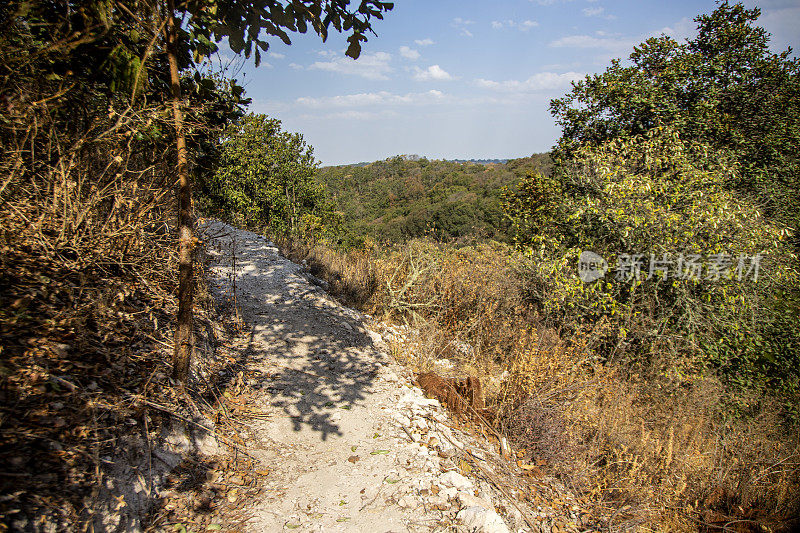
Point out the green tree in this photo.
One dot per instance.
(144, 48)
(691, 149)
(723, 88)
(265, 179)
(247, 25)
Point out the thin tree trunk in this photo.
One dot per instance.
(184, 341)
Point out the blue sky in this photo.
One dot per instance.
(463, 79)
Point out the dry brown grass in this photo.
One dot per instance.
(87, 274)
(646, 452)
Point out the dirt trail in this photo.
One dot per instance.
(343, 417)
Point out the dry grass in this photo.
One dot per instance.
(87, 275)
(647, 452)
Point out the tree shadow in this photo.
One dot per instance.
(315, 356)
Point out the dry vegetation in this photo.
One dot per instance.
(644, 448)
(87, 276)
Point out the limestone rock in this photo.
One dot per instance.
(480, 520)
(456, 480)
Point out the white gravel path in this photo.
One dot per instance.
(339, 441)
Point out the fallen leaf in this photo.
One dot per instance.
(379, 452)
(353, 459)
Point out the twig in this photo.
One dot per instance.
(164, 409)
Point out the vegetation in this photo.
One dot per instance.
(264, 180)
(103, 107)
(724, 88)
(666, 391)
(406, 197)
(691, 150)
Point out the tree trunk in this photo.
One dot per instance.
(184, 341)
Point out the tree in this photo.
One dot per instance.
(689, 151)
(265, 179)
(247, 25)
(723, 87)
(143, 48)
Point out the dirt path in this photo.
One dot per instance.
(350, 443)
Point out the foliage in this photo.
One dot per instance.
(86, 170)
(405, 197)
(265, 179)
(723, 88)
(690, 150)
(666, 198)
(637, 448)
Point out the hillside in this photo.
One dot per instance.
(400, 198)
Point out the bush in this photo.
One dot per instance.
(665, 198)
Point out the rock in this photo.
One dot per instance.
(420, 424)
(482, 520)
(401, 420)
(406, 502)
(456, 480)
(439, 502)
(450, 493)
(468, 500)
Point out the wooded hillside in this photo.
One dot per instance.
(400, 198)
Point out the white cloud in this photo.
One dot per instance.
(295, 66)
(327, 53)
(409, 53)
(597, 12)
(424, 42)
(277, 55)
(461, 25)
(525, 25)
(370, 66)
(551, 2)
(434, 72)
(587, 41)
(381, 98)
(541, 81)
(683, 29)
(353, 115)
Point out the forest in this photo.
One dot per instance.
(398, 199)
(663, 389)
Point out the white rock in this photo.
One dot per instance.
(406, 502)
(438, 502)
(454, 479)
(482, 520)
(401, 419)
(468, 500)
(449, 492)
(420, 424)
(415, 400)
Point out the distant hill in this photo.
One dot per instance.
(408, 196)
(481, 161)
